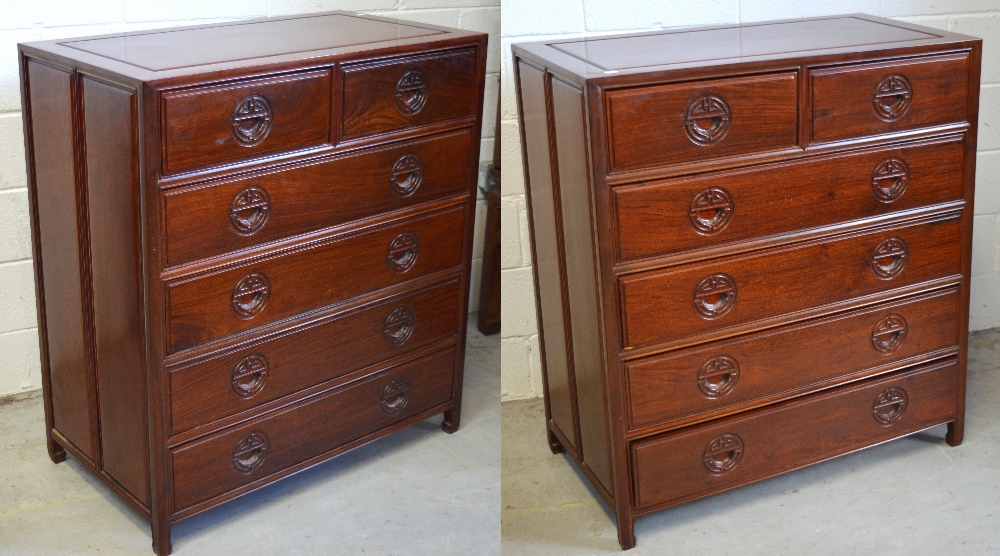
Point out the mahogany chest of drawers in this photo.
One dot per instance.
(251, 243)
(751, 246)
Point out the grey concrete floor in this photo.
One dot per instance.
(419, 491)
(915, 495)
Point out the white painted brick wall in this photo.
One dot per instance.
(528, 20)
(54, 19)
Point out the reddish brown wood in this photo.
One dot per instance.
(120, 250)
(206, 469)
(804, 231)
(489, 291)
(652, 126)
(440, 87)
(842, 97)
(306, 197)
(666, 217)
(672, 468)
(198, 122)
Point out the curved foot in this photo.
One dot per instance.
(626, 532)
(56, 452)
(554, 444)
(451, 419)
(956, 430)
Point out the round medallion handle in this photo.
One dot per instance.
(407, 174)
(396, 395)
(403, 252)
(717, 376)
(399, 325)
(888, 333)
(892, 97)
(707, 120)
(249, 210)
(723, 454)
(250, 452)
(249, 375)
(251, 120)
(711, 210)
(889, 257)
(890, 180)
(250, 295)
(411, 92)
(889, 406)
(714, 296)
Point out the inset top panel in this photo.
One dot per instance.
(230, 42)
(700, 45)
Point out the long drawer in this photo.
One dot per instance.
(677, 467)
(257, 449)
(214, 218)
(287, 362)
(687, 300)
(214, 305)
(791, 359)
(701, 211)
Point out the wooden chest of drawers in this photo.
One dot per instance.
(252, 245)
(751, 246)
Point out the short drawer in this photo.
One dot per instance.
(258, 450)
(688, 122)
(292, 360)
(883, 97)
(680, 215)
(684, 301)
(206, 220)
(213, 305)
(386, 96)
(682, 466)
(783, 361)
(216, 125)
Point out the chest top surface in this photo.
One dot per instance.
(674, 49)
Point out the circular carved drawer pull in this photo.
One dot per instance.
(888, 334)
(717, 376)
(250, 452)
(396, 395)
(252, 120)
(249, 375)
(707, 120)
(399, 325)
(890, 180)
(723, 454)
(889, 406)
(249, 210)
(715, 295)
(889, 257)
(250, 295)
(711, 210)
(403, 252)
(411, 92)
(407, 174)
(892, 97)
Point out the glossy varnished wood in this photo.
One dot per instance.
(138, 148)
(777, 202)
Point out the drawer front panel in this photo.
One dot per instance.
(215, 305)
(381, 97)
(291, 361)
(720, 455)
(208, 220)
(209, 126)
(882, 97)
(690, 299)
(790, 359)
(690, 213)
(262, 447)
(688, 122)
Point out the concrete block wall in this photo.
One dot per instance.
(54, 19)
(529, 20)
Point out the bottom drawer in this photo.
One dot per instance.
(257, 449)
(678, 467)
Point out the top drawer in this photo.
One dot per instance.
(883, 97)
(687, 122)
(209, 126)
(385, 96)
